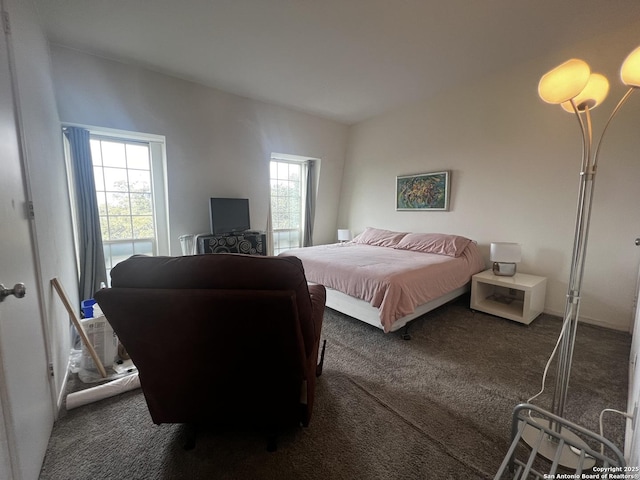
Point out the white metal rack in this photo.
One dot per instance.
(592, 452)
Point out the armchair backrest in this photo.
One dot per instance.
(215, 337)
(220, 271)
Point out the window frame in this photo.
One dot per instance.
(303, 161)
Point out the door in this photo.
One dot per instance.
(26, 402)
(632, 434)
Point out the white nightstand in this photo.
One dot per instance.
(519, 298)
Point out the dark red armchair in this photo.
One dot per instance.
(220, 338)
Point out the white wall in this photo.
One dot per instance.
(46, 180)
(515, 163)
(218, 144)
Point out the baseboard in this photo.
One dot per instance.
(63, 390)
(592, 321)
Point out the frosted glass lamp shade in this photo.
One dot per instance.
(630, 70)
(591, 96)
(564, 82)
(504, 256)
(506, 252)
(344, 235)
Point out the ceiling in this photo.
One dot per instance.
(346, 60)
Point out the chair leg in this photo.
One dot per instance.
(272, 437)
(319, 366)
(192, 432)
(272, 442)
(304, 414)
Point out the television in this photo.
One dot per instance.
(229, 215)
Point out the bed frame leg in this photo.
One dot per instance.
(405, 334)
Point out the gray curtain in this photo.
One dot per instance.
(309, 205)
(270, 248)
(91, 255)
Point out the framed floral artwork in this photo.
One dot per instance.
(424, 191)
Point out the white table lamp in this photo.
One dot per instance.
(344, 235)
(504, 256)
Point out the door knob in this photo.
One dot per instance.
(18, 291)
(637, 242)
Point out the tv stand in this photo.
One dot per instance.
(249, 242)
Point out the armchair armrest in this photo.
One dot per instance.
(318, 296)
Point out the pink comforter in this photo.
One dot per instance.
(394, 281)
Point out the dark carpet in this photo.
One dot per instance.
(435, 407)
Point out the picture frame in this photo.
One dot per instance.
(423, 191)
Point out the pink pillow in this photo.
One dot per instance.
(440, 243)
(379, 237)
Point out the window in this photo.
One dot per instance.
(293, 185)
(286, 203)
(130, 190)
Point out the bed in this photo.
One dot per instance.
(388, 278)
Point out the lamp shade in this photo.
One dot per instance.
(591, 96)
(505, 252)
(564, 82)
(344, 235)
(630, 70)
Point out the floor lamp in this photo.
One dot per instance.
(578, 91)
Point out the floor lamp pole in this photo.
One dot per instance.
(581, 235)
(549, 449)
